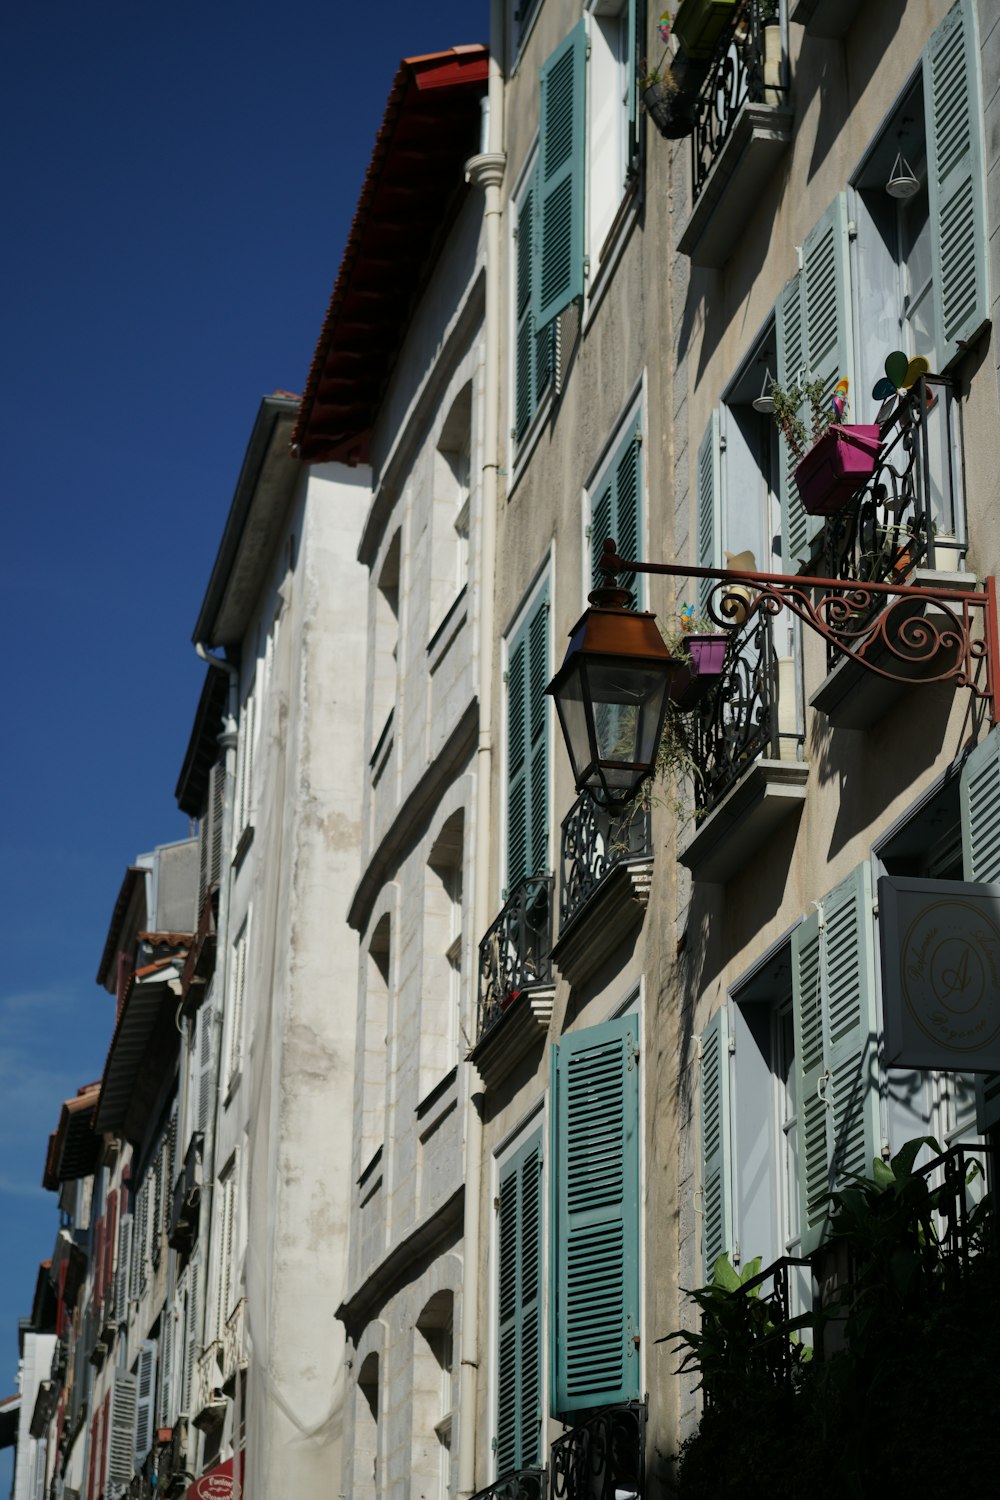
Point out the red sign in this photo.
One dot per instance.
(217, 1484)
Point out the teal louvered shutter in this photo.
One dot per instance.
(616, 509)
(145, 1409)
(709, 505)
(956, 180)
(527, 746)
(716, 1197)
(538, 742)
(791, 353)
(815, 342)
(595, 1214)
(524, 381)
(119, 1442)
(836, 1029)
(519, 1347)
(561, 177)
(979, 793)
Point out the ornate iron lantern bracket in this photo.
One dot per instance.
(858, 621)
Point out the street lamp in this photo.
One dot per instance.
(611, 696)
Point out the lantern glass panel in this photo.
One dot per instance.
(628, 701)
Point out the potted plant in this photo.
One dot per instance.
(834, 459)
(670, 105)
(704, 648)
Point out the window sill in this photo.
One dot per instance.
(524, 1025)
(455, 617)
(371, 1165)
(729, 839)
(824, 18)
(436, 1092)
(852, 697)
(736, 183)
(597, 927)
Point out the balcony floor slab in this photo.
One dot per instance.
(767, 793)
(611, 911)
(523, 1025)
(734, 185)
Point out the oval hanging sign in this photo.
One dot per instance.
(217, 1484)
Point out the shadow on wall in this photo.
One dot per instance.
(872, 767)
(840, 71)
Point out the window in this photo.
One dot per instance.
(434, 1398)
(386, 639)
(237, 988)
(450, 518)
(594, 1156)
(612, 119)
(528, 673)
(616, 505)
(374, 1038)
(550, 227)
(794, 1096)
(244, 772)
(225, 1223)
(519, 1308)
(366, 1431)
(442, 957)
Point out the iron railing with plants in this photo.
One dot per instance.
(593, 843)
(602, 1458)
(183, 1226)
(515, 954)
(961, 1224)
(909, 513)
(734, 77)
(738, 720)
(523, 1484)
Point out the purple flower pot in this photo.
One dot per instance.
(836, 467)
(706, 656)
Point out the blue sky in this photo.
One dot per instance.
(178, 184)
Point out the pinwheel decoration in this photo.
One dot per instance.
(839, 401)
(901, 373)
(663, 26)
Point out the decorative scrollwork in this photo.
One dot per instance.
(524, 1484)
(516, 951)
(593, 843)
(738, 721)
(735, 75)
(603, 1457)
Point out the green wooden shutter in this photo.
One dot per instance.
(519, 1348)
(956, 179)
(122, 1434)
(527, 746)
(524, 380)
(561, 176)
(716, 1198)
(815, 342)
(979, 791)
(594, 1108)
(538, 742)
(836, 1028)
(616, 510)
(709, 505)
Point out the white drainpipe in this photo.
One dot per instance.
(484, 171)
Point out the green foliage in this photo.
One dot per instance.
(909, 1386)
(788, 404)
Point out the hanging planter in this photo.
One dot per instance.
(695, 680)
(836, 467)
(672, 110)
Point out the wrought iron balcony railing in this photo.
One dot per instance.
(739, 720)
(963, 1222)
(909, 513)
(593, 843)
(523, 1484)
(735, 76)
(516, 952)
(602, 1458)
(761, 1342)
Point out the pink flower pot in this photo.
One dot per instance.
(836, 467)
(706, 655)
